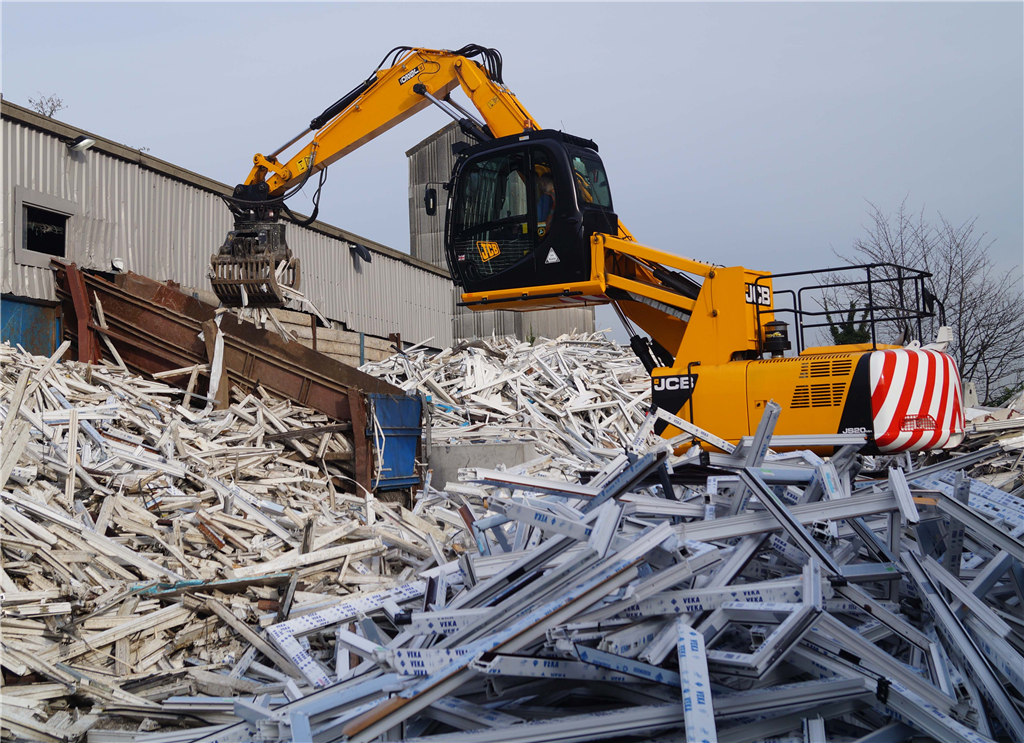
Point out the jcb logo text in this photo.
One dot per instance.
(668, 384)
(759, 294)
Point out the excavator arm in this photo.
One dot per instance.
(254, 266)
(418, 79)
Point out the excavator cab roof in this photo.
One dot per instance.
(554, 134)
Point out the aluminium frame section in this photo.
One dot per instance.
(955, 534)
(894, 732)
(695, 431)
(525, 630)
(460, 714)
(877, 546)
(574, 728)
(620, 664)
(901, 703)
(664, 643)
(284, 634)
(984, 530)
(519, 630)
(801, 618)
(968, 598)
(440, 621)
(792, 525)
(546, 521)
(667, 603)
(814, 729)
(629, 477)
(629, 640)
(321, 704)
(963, 462)
(872, 572)
(833, 639)
(771, 728)
(653, 585)
(1004, 657)
(797, 620)
(794, 697)
(513, 573)
(743, 553)
(695, 683)
(873, 608)
(963, 651)
(529, 666)
(755, 455)
(759, 443)
(899, 487)
(746, 524)
(987, 578)
(809, 441)
(516, 602)
(418, 661)
(527, 483)
(891, 697)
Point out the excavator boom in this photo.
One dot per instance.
(254, 266)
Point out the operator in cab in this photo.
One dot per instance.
(545, 202)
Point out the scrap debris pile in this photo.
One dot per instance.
(609, 589)
(137, 568)
(579, 396)
(1003, 426)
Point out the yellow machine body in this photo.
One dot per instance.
(711, 328)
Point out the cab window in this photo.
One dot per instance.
(493, 190)
(492, 217)
(591, 181)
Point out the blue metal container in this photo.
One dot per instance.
(32, 323)
(396, 437)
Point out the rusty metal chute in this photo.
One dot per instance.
(156, 327)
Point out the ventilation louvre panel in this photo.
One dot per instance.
(818, 395)
(835, 366)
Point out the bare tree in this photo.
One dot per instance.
(47, 105)
(983, 305)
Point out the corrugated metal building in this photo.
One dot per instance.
(430, 162)
(164, 222)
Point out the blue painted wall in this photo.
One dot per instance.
(33, 325)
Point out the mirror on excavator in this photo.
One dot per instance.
(522, 209)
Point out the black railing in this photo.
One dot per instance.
(892, 294)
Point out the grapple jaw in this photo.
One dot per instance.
(253, 265)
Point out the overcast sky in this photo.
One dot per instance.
(749, 134)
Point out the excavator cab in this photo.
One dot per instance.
(521, 210)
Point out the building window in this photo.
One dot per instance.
(43, 227)
(45, 231)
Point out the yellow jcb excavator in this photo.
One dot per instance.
(530, 224)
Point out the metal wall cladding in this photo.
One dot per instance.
(379, 298)
(553, 323)
(165, 228)
(430, 163)
(34, 161)
(523, 325)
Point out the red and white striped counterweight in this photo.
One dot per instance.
(916, 400)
